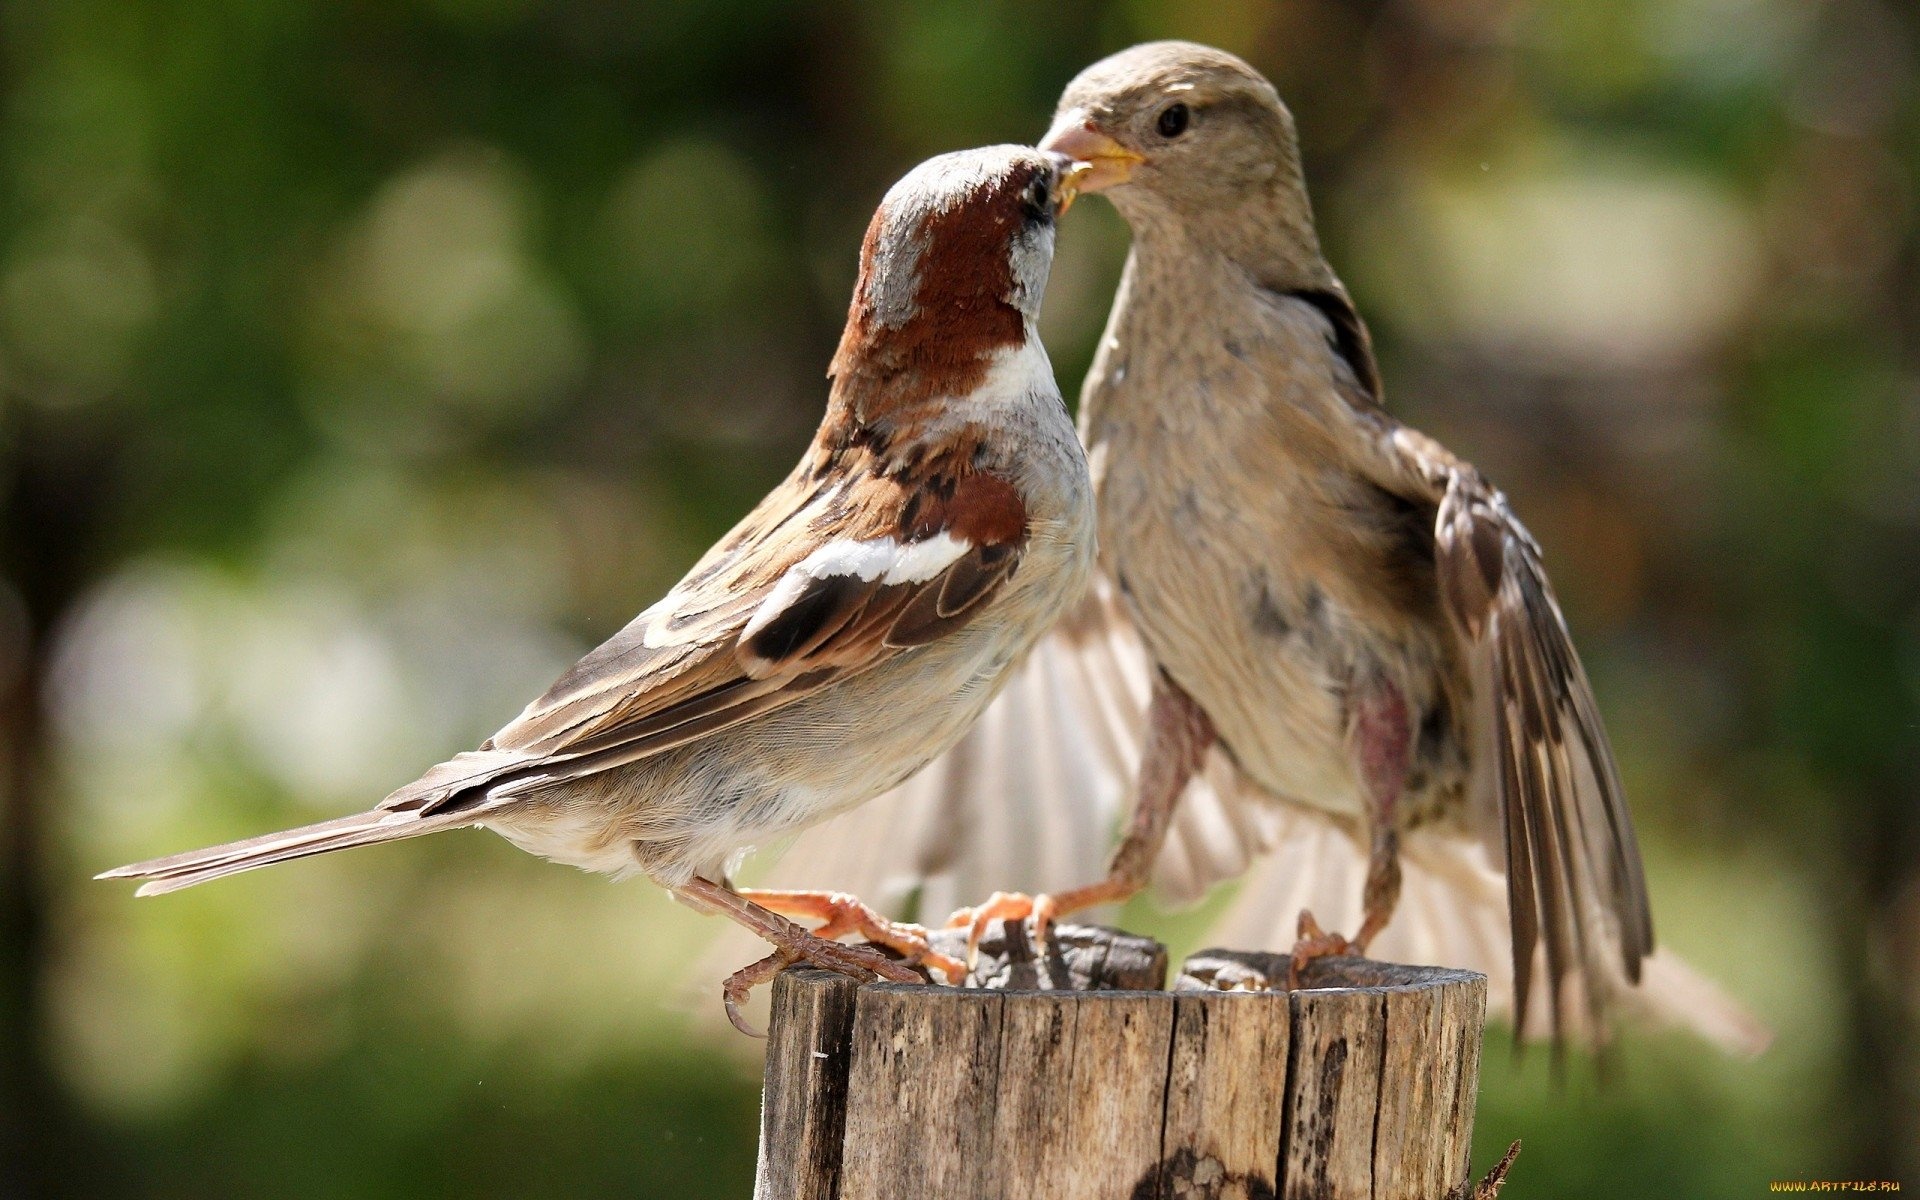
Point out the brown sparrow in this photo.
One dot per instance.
(848, 630)
(1343, 640)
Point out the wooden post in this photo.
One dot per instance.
(1086, 1080)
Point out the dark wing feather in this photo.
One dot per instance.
(681, 647)
(1575, 886)
(938, 610)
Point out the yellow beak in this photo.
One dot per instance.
(1099, 162)
(1070, 186)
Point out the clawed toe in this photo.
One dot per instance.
(910, 942)
(841, 914)
(860, 962)
(1039, 911)
(1314, 942)
(740, 984)
(762, 913)
(952, 969)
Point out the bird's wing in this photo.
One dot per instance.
(820, 582)
(823, 580)
(1031, 797)
(1551, 817)
(1453, 912)
(1548, 795)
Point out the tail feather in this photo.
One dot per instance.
(177, 871)
(1453, 912)
(1672, 993)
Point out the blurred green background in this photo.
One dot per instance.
(361, 363)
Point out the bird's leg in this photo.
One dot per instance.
(1380, 738)
(1179, 733)
(1381, 893)
(791, 944)
(842, 914)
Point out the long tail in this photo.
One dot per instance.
(177, 871)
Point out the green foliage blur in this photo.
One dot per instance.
(361, 363)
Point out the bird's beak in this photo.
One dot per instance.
(1099, 162)
(1070, 176)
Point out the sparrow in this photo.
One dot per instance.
(1325, 630)
(844, 633)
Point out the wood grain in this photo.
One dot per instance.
(1426, 1089)
(1227, 1088)
(1226, 1096)
(921, 1090)
(1087, 1072)
(803, 1097)
(1465, 1017)
(1333, 1090)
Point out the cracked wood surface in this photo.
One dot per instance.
(1074, 1076)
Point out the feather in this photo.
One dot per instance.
(1453, 912)
(899, 527)
(1030, 800)
(177, 871)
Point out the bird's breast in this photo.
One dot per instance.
(1267, 577)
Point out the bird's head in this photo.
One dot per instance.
(1183, 133)
(953, 269)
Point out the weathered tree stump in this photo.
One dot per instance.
(1083, 1079)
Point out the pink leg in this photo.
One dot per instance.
(791, 944)
(842, 914)
(1380, 738)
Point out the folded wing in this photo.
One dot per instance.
(817, 584)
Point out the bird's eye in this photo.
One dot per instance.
(1040, 198)
(1173, 120)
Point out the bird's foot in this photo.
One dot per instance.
(800, 946)
(1315, 942)
(1039, 911)
(840, 914)
(739, 985)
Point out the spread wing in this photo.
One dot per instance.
(1030, 799)
(1548, 793)
(1575, 887)
(820, 582)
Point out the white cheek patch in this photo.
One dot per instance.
(886, 560)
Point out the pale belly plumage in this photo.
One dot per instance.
(1259, 656)
(693, 809)
(1269, 582)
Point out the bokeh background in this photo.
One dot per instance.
(361, 363)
